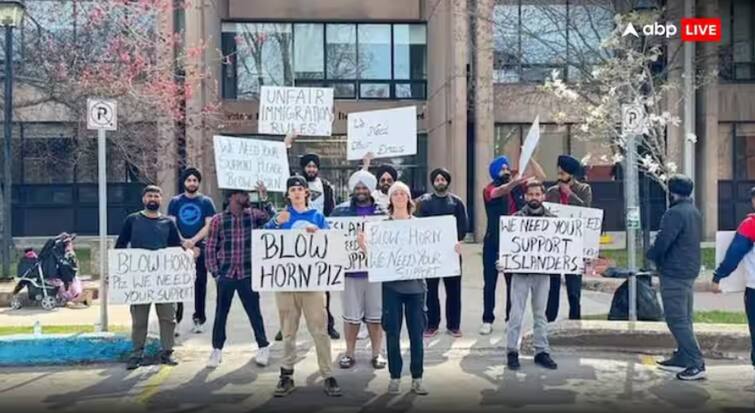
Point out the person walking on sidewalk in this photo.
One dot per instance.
(737, 252)
(192, 212)
(522, 285)
(362, 300)
(298, 214)
(441, 202)
(229, 259)
(150, 230)
(568, 191)
(676, 254)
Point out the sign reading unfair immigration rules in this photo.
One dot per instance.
(240, 163)
(138, 276)
(541, 245)
(301, 110)
(296, 260)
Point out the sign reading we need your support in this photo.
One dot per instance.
(138, 276)
(301, 110)
(386, 133)
(541, 245)
(296, 260)
(413, 248)
(593, 219)
(240, 163)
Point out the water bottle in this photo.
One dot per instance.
(37, 328)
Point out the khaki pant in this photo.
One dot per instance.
(166, 315)
(290, 308)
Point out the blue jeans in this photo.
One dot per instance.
(395, 306)
(249, 299)
(750, 310)
(677, 295)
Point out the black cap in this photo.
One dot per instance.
(296, 180)
(681, 185)
(230, 192)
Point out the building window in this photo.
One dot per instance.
(737, 47)
(359, 61)
(744, 151)
(533, 38)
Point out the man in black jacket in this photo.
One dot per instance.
(676, 253)
(442, 202)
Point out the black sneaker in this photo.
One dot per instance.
(285, 386)
(671, 365)
(333, 334)
(513, 361)
(545, 360)
(692, 374)
(134, 362)
(166, 357)
(279, 336)
(331, 387)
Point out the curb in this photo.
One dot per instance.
(58, 349)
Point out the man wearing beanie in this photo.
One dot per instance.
(676, 254)
(299, 214)
(568, 191)
(362, 300)
(192, 213)
(441, 202)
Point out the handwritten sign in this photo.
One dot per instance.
(411, 249)
(241, 162)
(386, 133)
(541, 245)
(138, 276)
(530, 143)
(736, 282)
(351, 226)
(302, 110)
(593, 219)
(295, 260)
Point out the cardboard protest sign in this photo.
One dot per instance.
(295, 260)
(137, 276)
(351, 226)
(593, 219)
(736, 282)
(541, 245)
(530, 143)
(241, 162)
(302, 110)
(386, 133)
(411, 249)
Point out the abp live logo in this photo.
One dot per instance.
(701, 29)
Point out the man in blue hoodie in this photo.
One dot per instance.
(298, 214)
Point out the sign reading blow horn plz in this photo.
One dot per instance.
(296, 260)
(541, 245)
(138, 276)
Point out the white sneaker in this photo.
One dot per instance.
(394, 386)
(363, 333)
(215, 359)
(418, 388)
(197, 329)
(263, 356)
(486, 329)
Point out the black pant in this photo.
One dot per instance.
(396, 306)
(573, 293)
(490, 278)
(331, 321)
(453, 302)
(251, 302)
(200, 293)
(750, 310)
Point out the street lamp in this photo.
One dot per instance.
(11, 15)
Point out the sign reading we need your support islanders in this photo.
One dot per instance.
(386, 133)
(541, 245)
(302, 110)
(296, 260)
(413, 248)
(240, 163)
(351, 226)
(138, 276)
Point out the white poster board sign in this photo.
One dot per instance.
(302, 110)
(411, 249)
(351, 226)
(541, 245)
(241, 162)
(386, 133)
(736, 282)
(530, 143)
(138, 276)
(593, 219)
(296, 260)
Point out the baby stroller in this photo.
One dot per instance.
(44, 274)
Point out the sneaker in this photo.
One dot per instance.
(455, 333)
(545, 360)
(331, 387)
(263, 356)
(486, 329)
(394, 386)
(363, 332)
(692, 373)
(216, 357)
(279, 336)
(431, 332)
(166, 357)
(134, 362)
(418, 388)
(285, 386)
(333, 334)
(378, 362)
(671, 365)
(197, 329)
(346, 362)
(512, 361)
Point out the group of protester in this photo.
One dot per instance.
(222, 244)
